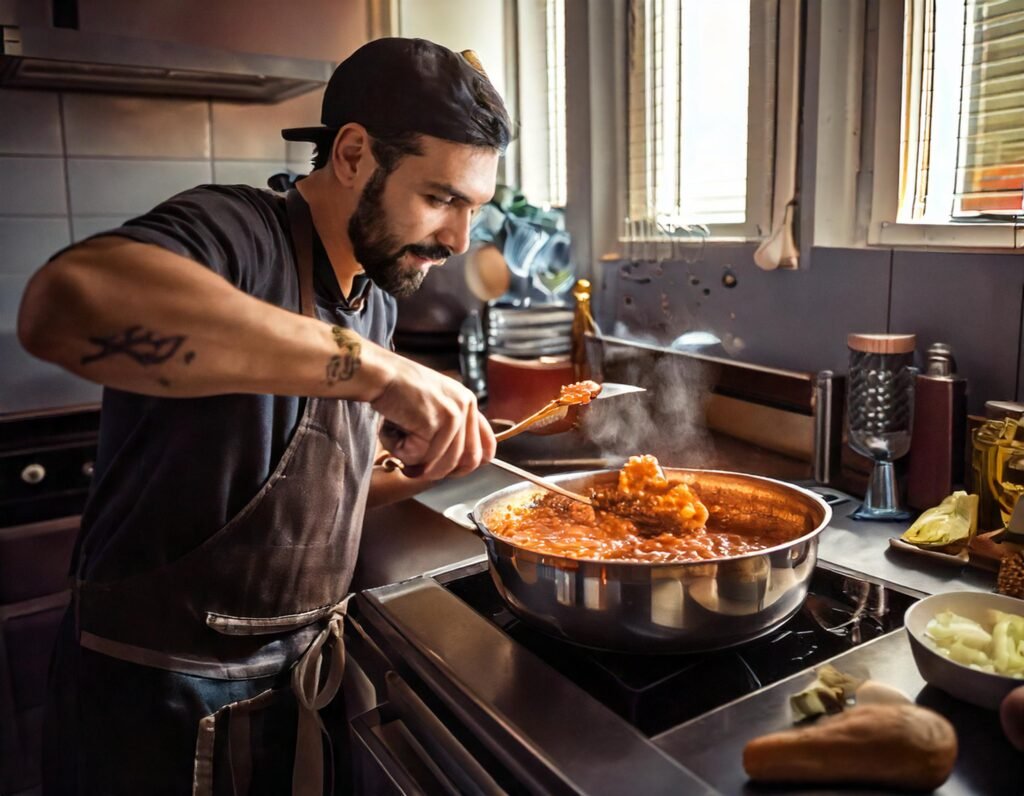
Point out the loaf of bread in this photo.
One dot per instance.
(899, 746)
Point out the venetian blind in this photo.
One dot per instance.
(962, 144)
(687, 126)
(990, 173)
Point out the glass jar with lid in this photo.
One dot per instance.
(997, 463)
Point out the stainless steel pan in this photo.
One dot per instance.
(651, 607)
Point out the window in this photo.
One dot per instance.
(963, 110)
(953, 129)
(700, 117)
(541, 78)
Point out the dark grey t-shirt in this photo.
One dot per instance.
(171, 471)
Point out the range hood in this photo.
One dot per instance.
(40, 56)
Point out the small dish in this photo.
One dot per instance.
(985, 689)
(958, 560)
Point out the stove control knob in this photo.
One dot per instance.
(88, 469)
(33, 473)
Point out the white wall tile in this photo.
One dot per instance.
(12, 286)
(83, 227)
(299, 152)
(100, 124)
(253, 132)
(27, 243)
(32, 186)
(130, 187)
(29, 123)
(245, 172)
(31, 384)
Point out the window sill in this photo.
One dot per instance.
(951, 236)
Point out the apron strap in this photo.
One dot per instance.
(308, 774)
(308, 770)
(301, 223)
(238, 740)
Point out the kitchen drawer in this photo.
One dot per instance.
(35, 558)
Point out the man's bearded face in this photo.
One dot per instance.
(379, 250)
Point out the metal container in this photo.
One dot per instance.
(675, 607)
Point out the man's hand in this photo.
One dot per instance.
(440, 426)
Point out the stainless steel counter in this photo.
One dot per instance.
(712, 746)
(863, 547)
(422, 535)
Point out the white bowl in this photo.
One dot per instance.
(984, 689)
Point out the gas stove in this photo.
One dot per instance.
(539, 714)
(657, 692)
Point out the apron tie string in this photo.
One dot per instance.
(308, 774)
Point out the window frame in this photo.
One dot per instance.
(882, 195)
(761, 133)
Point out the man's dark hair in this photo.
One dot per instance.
(387, 151)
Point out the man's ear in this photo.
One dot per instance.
(351, 155)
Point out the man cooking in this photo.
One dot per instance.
(244, 342)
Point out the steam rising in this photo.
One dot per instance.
(666, 421)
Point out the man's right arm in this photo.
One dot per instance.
(140, 318)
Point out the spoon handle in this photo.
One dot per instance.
(522, 425)
(543, 482)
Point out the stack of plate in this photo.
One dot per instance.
(529, 331)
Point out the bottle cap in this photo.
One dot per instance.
(999, 410)
(940, 361)
(882, 343)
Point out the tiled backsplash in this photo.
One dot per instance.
(799, 319)
(72, 165)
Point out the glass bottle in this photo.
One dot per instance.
(582, 322)
(997, 464)
(473, 355)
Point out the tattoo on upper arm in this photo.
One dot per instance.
(145, 347)
(345, 364)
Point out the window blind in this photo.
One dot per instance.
(962, 147)
(687, 125)
(990, 173)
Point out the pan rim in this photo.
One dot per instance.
(646, 565)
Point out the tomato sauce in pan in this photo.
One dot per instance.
(643, 517)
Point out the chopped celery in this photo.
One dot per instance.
(998, 649)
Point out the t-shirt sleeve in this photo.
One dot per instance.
(229, 229)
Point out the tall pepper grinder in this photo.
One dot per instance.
(937, 442)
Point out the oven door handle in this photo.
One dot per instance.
(445, 749)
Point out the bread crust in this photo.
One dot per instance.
(902, 746)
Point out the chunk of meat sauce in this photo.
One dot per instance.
(580, 392)
(642, 518)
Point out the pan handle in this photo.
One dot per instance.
(478, 527)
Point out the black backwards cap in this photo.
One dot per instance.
(393, 86)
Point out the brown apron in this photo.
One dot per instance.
(266, 591)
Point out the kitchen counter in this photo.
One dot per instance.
(712, 746)
(425, 534)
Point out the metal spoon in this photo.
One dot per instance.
(542, 482)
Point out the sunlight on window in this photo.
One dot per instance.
(688, 112)
(962, 136)
(542, 137)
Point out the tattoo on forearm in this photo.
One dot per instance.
(345, 364)
(145, 347)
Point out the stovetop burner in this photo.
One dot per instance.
(657, 692)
